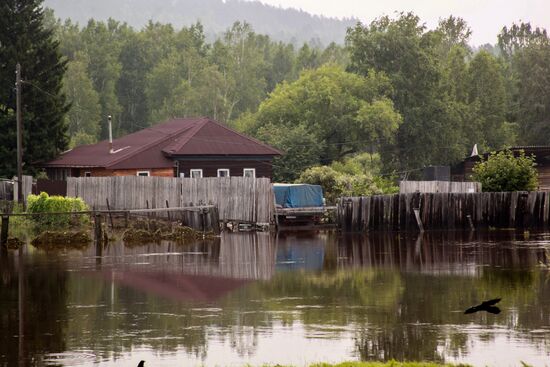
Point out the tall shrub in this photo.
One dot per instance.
(44, 203)
(504, 171)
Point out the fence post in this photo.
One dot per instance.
(98, 236)
(110, 214)
(215, 217)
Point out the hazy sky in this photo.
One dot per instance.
(485, 17)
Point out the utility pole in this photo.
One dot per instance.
(19, 134)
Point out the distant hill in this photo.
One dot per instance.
(289, 25)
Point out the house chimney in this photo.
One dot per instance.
(110, 134)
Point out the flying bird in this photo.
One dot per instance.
(488, 306)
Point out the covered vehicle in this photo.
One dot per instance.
(298, 195)
(298, 204)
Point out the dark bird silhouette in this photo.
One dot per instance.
(488, 306)
(141, 364)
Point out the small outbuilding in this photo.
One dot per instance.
(181, 147)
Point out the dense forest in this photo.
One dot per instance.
(393, 99)
(281, 24)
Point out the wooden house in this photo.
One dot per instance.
(183, 147)
(463, 170)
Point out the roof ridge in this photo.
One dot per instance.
(151, 144)
(208, 119)
(195, 129)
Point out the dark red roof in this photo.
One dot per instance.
(154, 147)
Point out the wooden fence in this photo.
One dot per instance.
(445, 211)
(409, 187)
(27, 187)
(6, 190)
(239, 199)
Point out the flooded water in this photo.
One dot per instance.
(287, 299)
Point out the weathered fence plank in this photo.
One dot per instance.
(240, 199)
(445, 211)
(408, 187)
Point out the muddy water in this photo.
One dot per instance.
(288, 299)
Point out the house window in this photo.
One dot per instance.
(87, 174)
(223, 172)
(196, 173)
(249, 172)
(143, 173)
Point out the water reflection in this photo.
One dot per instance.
(244, 298)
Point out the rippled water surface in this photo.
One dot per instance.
(289, 298)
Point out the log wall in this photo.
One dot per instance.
(445, 211)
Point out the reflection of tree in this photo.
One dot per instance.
(442, 276)
(44, 310)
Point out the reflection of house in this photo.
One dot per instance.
(463, 170)
(189, 147)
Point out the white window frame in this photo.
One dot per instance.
(224, 169)
(140, 173)
(195, 170)
(249, 169)
(87, 174)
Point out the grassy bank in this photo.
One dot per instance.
(387, 364)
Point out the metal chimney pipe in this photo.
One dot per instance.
(110, 134)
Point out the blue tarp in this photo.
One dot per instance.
(298, 195)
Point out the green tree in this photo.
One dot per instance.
(504, 171)
(454, 32)
(240, 60)
(84, 116)
(527, 52)
(408, 55)
(487, 94)
(24, 39)
(300, 146)
(103, 43)
(343, 112)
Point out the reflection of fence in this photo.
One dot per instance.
(408, 187)
(439, 252)
(235, 256)
(237, 198)
(445, 211)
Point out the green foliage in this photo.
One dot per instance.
(415, 96)
(44, 203)
(326, 115)
(84, 115)
(503, 171)
(337, 184)
(24, 39)
(526, 53)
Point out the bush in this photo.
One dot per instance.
(44, 203)
(503, 171)
(336, 184)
